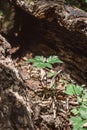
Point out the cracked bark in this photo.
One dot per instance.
(60, 27)
(11, 98)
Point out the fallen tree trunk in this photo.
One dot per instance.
(12, 94)
(66, 16)
(60, 27)
(63, 31)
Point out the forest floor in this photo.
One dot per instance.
(50, 105)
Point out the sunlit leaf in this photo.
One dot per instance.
(39, 65)
(77, 122)
(83, 112)
(40, 58)
(48, 65)
(43, 62)
(75, 111)
(54, 59)
(50, 74)
(72, 89)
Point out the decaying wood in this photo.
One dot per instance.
(69, 17)
(60, 27)
(52, 27)
(11, 89)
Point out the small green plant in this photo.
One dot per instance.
(45, 66)
(73, 89)
(43, 62)
(79, 120)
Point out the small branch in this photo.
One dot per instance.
(53, 79)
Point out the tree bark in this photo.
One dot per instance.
(60, 27)
(11, 99)
(49, 27)
(69, 17)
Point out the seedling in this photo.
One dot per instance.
(79, 120)
(43, 62)
(73, 89)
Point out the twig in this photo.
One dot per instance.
(53, 79)
(54, 110)
(67, 104)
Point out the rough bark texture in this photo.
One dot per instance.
(49, 27)
(69, 17)
(14, 113)
(57, 25)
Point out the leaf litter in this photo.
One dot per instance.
(50, 104)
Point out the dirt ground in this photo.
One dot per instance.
(49, 104)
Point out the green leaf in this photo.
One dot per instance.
(42, 62)
(39, 65)
(83, 125)
(83, 129)
(78, 90)
(53, 60)
(50, 74)
(83, 112)
(75, 111)
(79, 99)
(31, 60)
(40, 59)
(84, 97)
(48, 65)
(69, 89)
(37, 59)
(76, 119)
(72, 89)
(77, 122)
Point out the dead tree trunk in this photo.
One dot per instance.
(11, 99)
(60, 27)
(63, 31)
